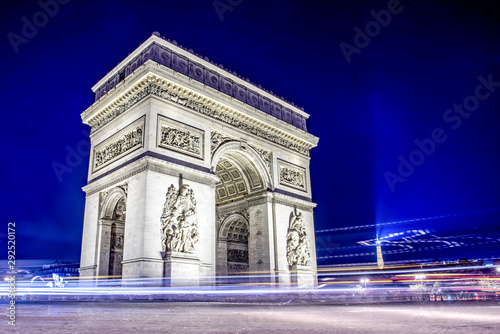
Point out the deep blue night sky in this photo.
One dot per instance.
(396, 89)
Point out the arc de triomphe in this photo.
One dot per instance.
(195, 172)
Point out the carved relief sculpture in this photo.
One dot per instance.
(118, 145)
(292, 176)
(180, 137)
(179, 223)
(237, 255)
(297, 246)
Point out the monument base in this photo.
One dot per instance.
(302, 277)
(181, 269)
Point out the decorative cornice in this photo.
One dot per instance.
(195, 68)
(152, 85)
(268, 196)
(143, 259)
(294, 202)
(153, 164)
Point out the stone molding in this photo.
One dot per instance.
(217, 139)
(153, 85)
(231, 207)
(92, 267)
(268, 197)
(222, 215)
(264, 154)
(298, 269)
(104, 194)
(142, 259)
(194, 68)
(153, 164)
(293, 202)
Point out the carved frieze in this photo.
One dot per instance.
(237, 255)
(292, 176)
(120, 144)
(179, 222)
(298, 251)
(211, 110)
(180, 137)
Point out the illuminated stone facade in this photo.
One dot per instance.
(196, 173)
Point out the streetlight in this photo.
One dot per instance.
(364, 280)
(419, 277)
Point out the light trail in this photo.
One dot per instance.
(347, 228)
(468, 284)
(409, 242)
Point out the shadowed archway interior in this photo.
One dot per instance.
(239, 178)
(112, 225)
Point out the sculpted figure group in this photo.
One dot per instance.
(297, 245)
(179, 224)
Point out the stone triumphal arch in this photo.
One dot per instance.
(195, 173)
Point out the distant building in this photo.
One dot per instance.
(27, 269)
(63, 269)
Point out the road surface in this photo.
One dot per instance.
(142, 317)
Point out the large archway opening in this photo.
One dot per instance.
(232, 246)
(241, 175)
(112, 226)
(116, 247)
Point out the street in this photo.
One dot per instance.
(293, 317)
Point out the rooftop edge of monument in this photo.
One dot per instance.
(188, 63)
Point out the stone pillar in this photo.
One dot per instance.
(90, 243)
(261, 239)
(221, 258)
(182, 269)
(302, 277)
(104, 247)
(116, 251)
